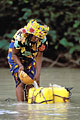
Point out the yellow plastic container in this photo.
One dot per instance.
(48, 95)
(25, 78)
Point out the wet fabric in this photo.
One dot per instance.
(28, 63)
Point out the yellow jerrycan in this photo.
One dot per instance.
(48, 95)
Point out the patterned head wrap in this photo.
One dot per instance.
(36, 29)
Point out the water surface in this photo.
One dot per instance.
(10, 109)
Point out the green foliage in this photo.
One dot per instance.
(10, 35)
(4, 44)
(65, 43)
(52, 33)
(62, 16)
(26, 14)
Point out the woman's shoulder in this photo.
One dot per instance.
(18, 34)
(20, 38)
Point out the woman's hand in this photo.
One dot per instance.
(21, 68)
(37, 78)
(15, 52)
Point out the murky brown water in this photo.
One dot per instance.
(10, 109)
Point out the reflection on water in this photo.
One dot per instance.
(45, 112)
(55, 111)
(10, 109)
(24, 111)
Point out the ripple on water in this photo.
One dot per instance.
(8, 112)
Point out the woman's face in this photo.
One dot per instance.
(35, 39)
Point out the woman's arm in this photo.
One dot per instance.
(38, 66)
(16, 58)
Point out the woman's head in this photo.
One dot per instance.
(37, 29)
(32, 38)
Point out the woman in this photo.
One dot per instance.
(25, 53)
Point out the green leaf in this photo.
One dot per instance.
(46, 14)
(77, 47)
(46, 21)
(72, 50)
(64, 42)
(24, 9)
(56, 47)
(52, 33)
(70, 44)
(77, 38)
(26, 1)
(76, 24)
(10, 2)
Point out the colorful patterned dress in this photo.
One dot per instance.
(28, 51)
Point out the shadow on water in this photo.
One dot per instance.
(10, 109)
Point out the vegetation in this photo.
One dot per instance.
(63, 18)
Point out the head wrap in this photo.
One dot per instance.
(36, 29)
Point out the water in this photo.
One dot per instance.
(10, 109)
